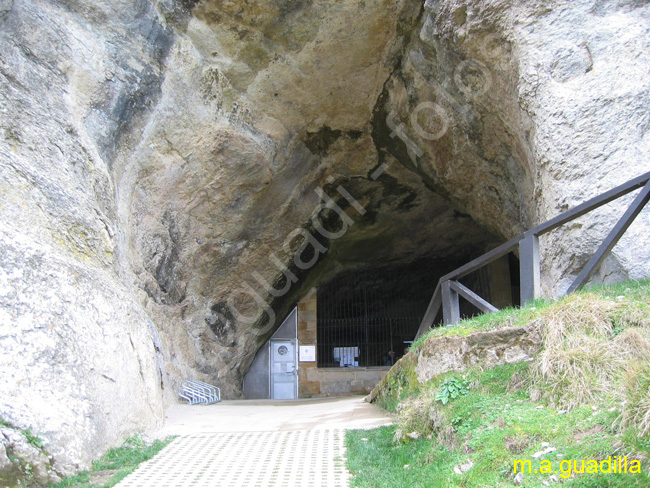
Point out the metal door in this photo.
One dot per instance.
(284, 374)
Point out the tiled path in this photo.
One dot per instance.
(254, 444)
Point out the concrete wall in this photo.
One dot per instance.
(315, 381)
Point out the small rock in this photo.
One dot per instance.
(546, 483)
(466, 466)
(539, 407)
(519, 479)
(413, 435)
(407, 466)
(548, 450)
(364, 440)
(545, 444)
(554, 479)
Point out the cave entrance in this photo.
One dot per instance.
(351, 329)
(361, 322)
(370, 318)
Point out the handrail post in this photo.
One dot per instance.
(612, 238)
(432, 311)
(450, 304)
(529, 268)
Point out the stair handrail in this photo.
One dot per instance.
(448, 290)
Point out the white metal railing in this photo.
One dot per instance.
(198, 392)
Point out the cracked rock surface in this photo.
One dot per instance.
(160, 163)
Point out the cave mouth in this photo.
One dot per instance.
(376, 266)
(349, 329)
(216, 239)
(371, 317)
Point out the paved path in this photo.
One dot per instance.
(265, 444)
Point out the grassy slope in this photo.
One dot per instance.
(636, 294)
(497, 422)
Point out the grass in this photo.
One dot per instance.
(492, 425)
(591, 345)
(115, 465)
(587, 393)
(507, 317)
(631, 292)
(33, 439)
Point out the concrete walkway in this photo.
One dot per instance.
(241, 444)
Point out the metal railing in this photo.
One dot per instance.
(198, 392)
(449, 290)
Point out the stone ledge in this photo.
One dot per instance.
(487, 349)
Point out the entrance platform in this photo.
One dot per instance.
(257, 443)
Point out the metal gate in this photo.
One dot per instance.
(368, 318)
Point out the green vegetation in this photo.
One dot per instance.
(507, 317)
(115, 465)
(398, 384)
(586, 396)
(32, 438)
(452, 389)
(636, 293)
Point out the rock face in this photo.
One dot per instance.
(444, 354)
(532, 110)
(484, 349)
(81, 361)
(164, 166)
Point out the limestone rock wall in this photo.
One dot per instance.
(260, 108)
(585, 92)
(160, 165)
(81, 362)
(522, 110)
